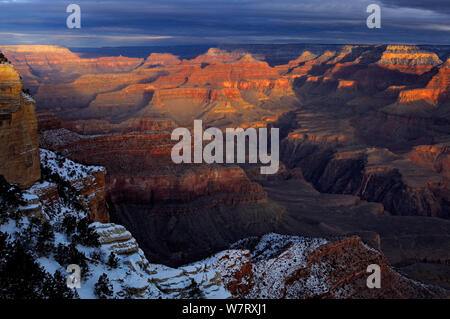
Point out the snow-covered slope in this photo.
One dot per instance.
(48, 221)
(68, 170)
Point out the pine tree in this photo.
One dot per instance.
(69, 224)
(3, 58)
(20, 276)
(87, 234)
(113, 261)
(45, 239)
(194, 291)
(67, 255)
(55, 287)
(103, 288)
(4, 246)
(10, 199)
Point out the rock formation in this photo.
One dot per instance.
(43, 64)
(294, 268)
(435, 93)
(436, 156)
(375, 175)
(88, 182)
(19, 146)
(408, 59)
(215, 83)
(290, 267)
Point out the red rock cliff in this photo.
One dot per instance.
(19, 152)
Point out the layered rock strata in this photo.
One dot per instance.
(19, 144)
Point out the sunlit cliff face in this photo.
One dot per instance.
(19, 149)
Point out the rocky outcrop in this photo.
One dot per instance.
(283, 267)
(116, 239)
(83, 90)
(220, 83)
(230, 185)
(127, 100)
(54, 63)
(375, 175)
(22, 160)
(215, 55)
(245, 68)
(19, 145)
(398, 132)
(87, 181)
(408, 59)
(435, 93)
(161, 59)
(436, 156)
(303, 268)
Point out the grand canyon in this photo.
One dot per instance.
(364, 166)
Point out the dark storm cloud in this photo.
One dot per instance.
(433, 5)
(139, 22)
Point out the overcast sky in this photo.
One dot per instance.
(172, 22)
